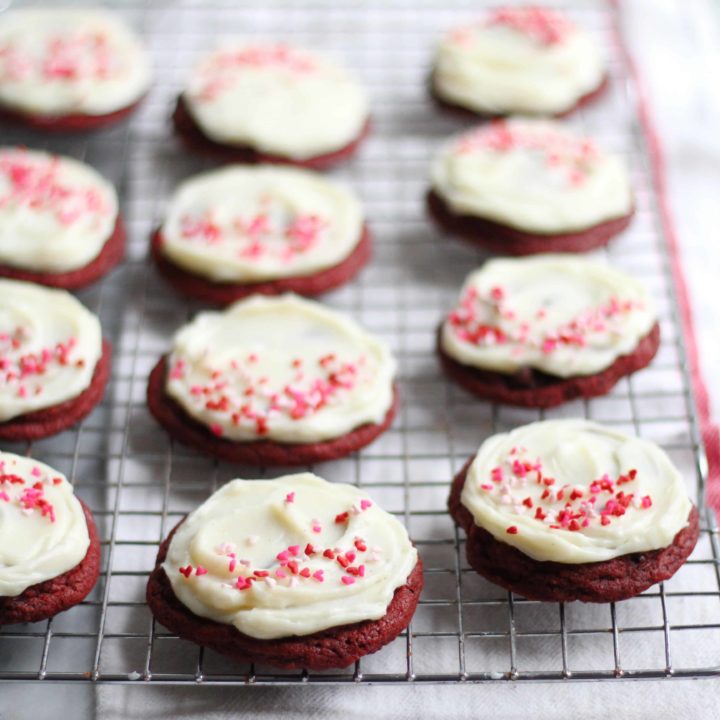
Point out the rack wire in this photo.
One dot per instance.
(139, 483)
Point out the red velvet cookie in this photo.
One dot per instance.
(241, 230)
(506, 240)
(278, 380)
(293, 572)
(518, 60)
(542, 330)
(194, 140)
(69, 70)
(520, 186)
(111, 254)
(188, 431)
(336, 647)
(607, 581)
(55, 419)
(535, 389)
(48, 598)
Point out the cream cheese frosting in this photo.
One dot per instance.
(67, 61)
(280, 368)
(246, 224)
(524, 60)
(573, 491)
(533, 175)
(56, 213)
(43, 531)
(563, 315)
(286, 557)
(49, 347)
(276, 99)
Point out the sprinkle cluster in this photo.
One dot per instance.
(30, 498)
(565, 507)
(487, 318)
(222, 69)
(261, 236)
(543, 25)
(297, 564)
(241, 395)
(563, 151)
(36, 185)
(24, 372)
(76, 56)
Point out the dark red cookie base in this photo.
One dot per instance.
(188, 431)
(196, 141)
(112, 252)
(336, 647)
(55, 419)
(505, 240)
(535, 389)
(75, 123)
(47, 599)
(200, 288)
(608, 581)
(466, 113)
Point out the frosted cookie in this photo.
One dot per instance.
(569, 510)
(54, 364)
(271, 103)
(274, 381)
(49, 546)
(294, 572)
(522, 60)
(64, 69)
(59, 220)
(241, 230)
(542, 330)
(521, 186)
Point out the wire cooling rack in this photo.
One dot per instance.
(139, 483)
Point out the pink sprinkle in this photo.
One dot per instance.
(35, 472)
(283, 556)
(347, 580)
(316, 527)
(216, 429)
(294, 550)
(365, 504)
(200, 570)
(4, 496)
(280, 573)
(290, 497)
(318, 575)
(647, 501)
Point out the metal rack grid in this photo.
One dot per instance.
(139, 483)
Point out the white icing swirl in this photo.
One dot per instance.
(64, 61)
(532, 175)
(43, 532)
(573, 491)
(280, 368)
(264, 525)
(56, 213)
(276, 99)
(505, 64)
(49, 347)
(246, 224)
(559, 314)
